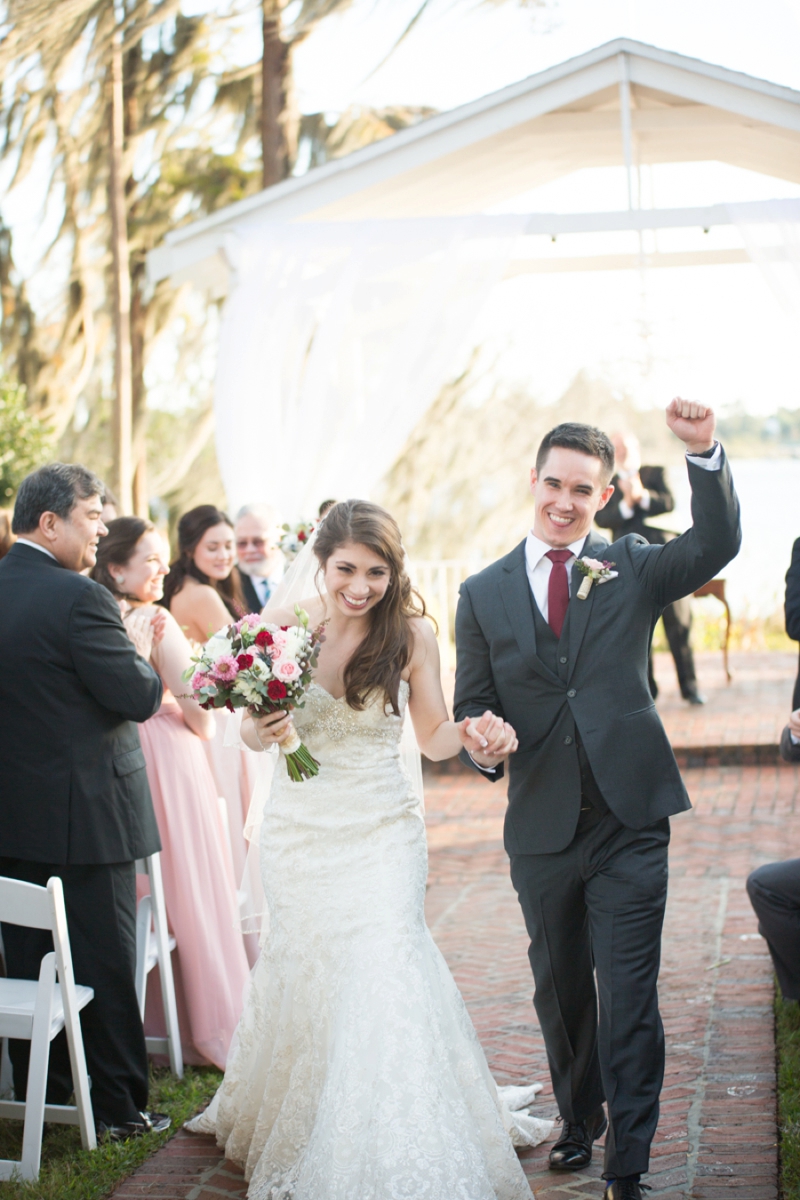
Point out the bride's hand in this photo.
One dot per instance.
(489, 739)
(273, 728)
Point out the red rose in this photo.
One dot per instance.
(276, 690)
(301, 537)
(245, 661)
(286, 628)
(264, 638)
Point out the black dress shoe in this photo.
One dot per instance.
(694, 698)
(625, 1189)
(573, 1150)
(151, 1122)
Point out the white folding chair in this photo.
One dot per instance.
(154, 944)
(37, 1011)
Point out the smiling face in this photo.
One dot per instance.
(143, 574)
(356, 578)
(257, 544)
(214, 553)
(73, 539)
(568, 491)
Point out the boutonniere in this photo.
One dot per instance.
(593, 571)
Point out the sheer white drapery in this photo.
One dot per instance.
(770, 230)
(336, 338)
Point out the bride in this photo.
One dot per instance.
(356, 1073)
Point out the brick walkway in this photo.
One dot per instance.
(717, 1134)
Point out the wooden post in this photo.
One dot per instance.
(121, 301)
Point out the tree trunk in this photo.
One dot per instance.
(278, 119)
(123, 398)
(141, 497)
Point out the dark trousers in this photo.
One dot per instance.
(677, 619)
(774, 892)
(598, 906)
(101, 918)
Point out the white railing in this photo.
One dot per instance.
(438, 581)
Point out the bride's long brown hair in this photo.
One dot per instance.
(379, 662)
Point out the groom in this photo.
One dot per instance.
(594, 781)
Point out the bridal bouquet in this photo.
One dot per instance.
(264, 668)
(295, 537)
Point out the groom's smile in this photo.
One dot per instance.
(567, 492)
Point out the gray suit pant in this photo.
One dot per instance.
(598, 907)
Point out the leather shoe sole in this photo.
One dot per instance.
(573, 1152)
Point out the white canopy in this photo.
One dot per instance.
(351, 288)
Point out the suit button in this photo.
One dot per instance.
(563, 658)
(567, 740)
(572, 693)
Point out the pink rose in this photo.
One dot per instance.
(593, 564)
(225, 668)
(279, 638)
(286, 670)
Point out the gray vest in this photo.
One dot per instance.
(553, 653)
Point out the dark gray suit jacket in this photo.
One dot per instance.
(604, 693)
(73, 783)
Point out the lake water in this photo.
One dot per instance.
(769, 490)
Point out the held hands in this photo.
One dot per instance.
(693, 423)
(158, 624)
(489, 739)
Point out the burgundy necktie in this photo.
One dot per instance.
(557, 590)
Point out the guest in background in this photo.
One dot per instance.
(774, 892)
(74, 796)
(260, 558)
(325, 507)
(792, 611)
(203, 594)
(7, 538)
(639, 494)
(210, 964)
(201, 591)
(110, 507)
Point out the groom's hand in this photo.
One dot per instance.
(693, 423)
(488, 739)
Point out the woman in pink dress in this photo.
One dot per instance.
(210, 964)
(203, 593)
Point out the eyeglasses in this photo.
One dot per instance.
(243, 543)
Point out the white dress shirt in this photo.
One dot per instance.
(539, 566)
(21, 541)
(264, 586)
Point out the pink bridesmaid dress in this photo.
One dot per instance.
(209, 963)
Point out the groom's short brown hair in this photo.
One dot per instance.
(586, 439)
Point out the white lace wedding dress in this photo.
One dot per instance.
(356, 1073)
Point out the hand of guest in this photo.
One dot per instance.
(488, 739)
(273, 728)
(794, 723)
(693, 423)
(158, 623)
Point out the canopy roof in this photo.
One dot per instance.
(624, 103)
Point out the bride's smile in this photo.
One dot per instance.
(356, 579)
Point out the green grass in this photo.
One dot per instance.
(71, 1173)
(787, 1046)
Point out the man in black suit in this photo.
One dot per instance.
(594, 781)
(74, 797)
(641, 493)
(774, 892)
(792, 610)
(260, 559)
